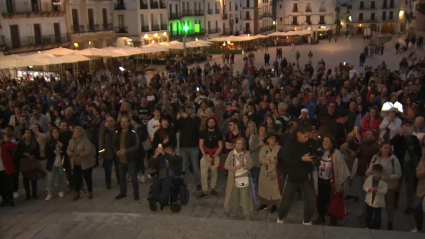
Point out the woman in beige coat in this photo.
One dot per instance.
(82, 154)
(268, 186)
(238, 163)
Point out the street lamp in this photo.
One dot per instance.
(185, 28)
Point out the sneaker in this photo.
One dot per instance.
(61, 194)
(120, 196)
(414, 230)
(49, 197)
(15, 195)
(307, 223)
(214, 193)
(280, 221)
(142, 179)
(262, 208)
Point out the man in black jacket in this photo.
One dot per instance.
(296, 162)
(189, 124)
(65, 136)
(126, 143)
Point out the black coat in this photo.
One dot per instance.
(175, 163)
(410, 144)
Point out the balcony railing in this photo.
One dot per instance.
(187, 13)
(162, 4)
(265, 29)
(217, 11)
(294, 23)
(155, 27)
(198, 12)
(93, 28)
(214, 31)
(322, 22)
(226, 31)
(174, 16)
(247, 31)
(308, 10)
(210, 11)
(224, 16)
(294, 9)
(247, 18)
(164, 27)
(107, 26)
(32, 41)
(144, 6)
(145, 28)
(322, 10)
(45, 9)
(121, 30)
(78, 29)
(154, 5)
(119, 6)
(188, 33)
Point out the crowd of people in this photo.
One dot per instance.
(314, 133)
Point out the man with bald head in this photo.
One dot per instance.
(106, 152)
(71, 119)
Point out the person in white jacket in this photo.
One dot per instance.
(390, 125)
(375, 188)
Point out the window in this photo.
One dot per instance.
(384, 15)
(308, 7)
(372, 16)
(322, 7)
(391, 15)
(372, 4)
(280, 6)
(295, 7)
(230, 6)
(236, 7)
(121, 21)
(280, 19)
(247, 15)
(360, 16)
(308, 19)
(391, 3)
(294, 20)
(361, 5)
(385, 4)
(247, 3)
(322, 20)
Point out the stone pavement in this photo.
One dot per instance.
(344, 50)
(63, 218)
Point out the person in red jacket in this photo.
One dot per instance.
(372, 123)
(7, 169)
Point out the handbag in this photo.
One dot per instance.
(242, 182)
(27, 164)
(336, 205)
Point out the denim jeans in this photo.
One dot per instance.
(190, 156)
(56, 171)
(131, 168)
(107, 166)
(68, 172)
(255, 173)
(373, 217)
(418, 212)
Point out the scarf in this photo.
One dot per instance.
(241, 159)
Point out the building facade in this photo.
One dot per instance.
(384, 16)
(90, 23)
(304, 14)
(143, 21)
(420, 17)
(32, 25)
(213, 17)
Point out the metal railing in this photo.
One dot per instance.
(210, 11)
(224, 16)
(36, 9)
(214, 31)
(107, 26)
(322, 10)
(164, 27)
(217, 11)
(322, 22)
(78, 29)
(121, 30)
(119, 6)
(144, 6)
(308, 9)
(174, 15)
(294, 23)
(162, 4)
(187, 13)
(34, 41)
(294, 9)
(93, 28)
(198, 12)
(145, 28)
(308, 22)
(155, 27)
(154, 5)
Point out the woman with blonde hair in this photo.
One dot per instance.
(82, 154)
(238, 192)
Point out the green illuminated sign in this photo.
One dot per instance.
(185, 28)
